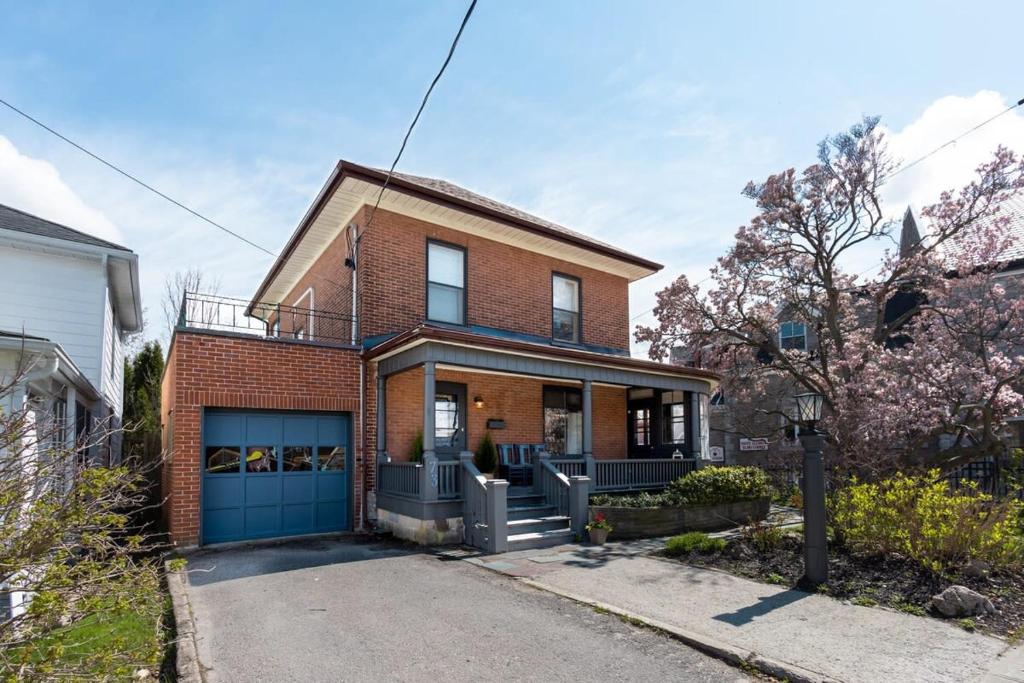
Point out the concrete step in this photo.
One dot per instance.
(530, 511)
(539, 539)
(532, 524)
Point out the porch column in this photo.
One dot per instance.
(428, 485)
(382, 431)
(588, 420)
(429, 392)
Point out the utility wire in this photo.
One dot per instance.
(423, 104)
(128, 175)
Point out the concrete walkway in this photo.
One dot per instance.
(788, 633)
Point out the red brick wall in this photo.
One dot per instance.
(230, 372)
(517, 400)
(331, 282)
(508, 287)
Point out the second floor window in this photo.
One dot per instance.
(446, 283)
(565, 311)
(793, 336)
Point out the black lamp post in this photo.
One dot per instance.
(808, 407)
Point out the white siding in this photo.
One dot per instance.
(57, 297)
(113, 351)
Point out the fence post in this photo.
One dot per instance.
(497, 515)
(579, 504)
(538, 466)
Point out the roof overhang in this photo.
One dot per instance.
(122, 270)
(351, 186)
(479, 352)
(36, 360)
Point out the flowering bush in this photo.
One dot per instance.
(922, 518)
(711, 485)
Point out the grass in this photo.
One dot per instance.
(86, 646)
(864, 601)
(908, 608)
(686, 543)
(1016, 636)
(967, 624)
(777, 579)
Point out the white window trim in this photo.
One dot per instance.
(793, 322)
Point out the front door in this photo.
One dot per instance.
(640, 414)
(449, 420)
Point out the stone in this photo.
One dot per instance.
(976, 569)
(961, 601)
(142, 675)
(738, 551)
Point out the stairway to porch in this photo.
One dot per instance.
(533, 523)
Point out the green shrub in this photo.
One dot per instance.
(711, 485)
(764, 537)
(686, 543)
(416, 450)
(486, 458)
(922, 518)
(635, 500)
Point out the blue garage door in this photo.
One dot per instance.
(273, 474)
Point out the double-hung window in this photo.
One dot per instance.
(565, 308)
(793, 336)
(446, 283)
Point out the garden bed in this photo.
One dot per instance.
(651, 522)
(901, 584)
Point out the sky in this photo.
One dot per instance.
(638, 123)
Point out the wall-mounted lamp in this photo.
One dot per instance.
(478, 401)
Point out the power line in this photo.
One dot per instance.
(987, 121)
(128, 175)
(423, 104)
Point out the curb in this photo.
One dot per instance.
(731, 654)
(187, 667)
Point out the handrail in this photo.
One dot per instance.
(554, 487)
(474, 504)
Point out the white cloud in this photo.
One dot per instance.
(953, 166)
(35, 186)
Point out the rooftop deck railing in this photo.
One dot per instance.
(216, 313)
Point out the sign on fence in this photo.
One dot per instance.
(760, 444)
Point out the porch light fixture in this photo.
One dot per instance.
(808, 408)
(478, 401)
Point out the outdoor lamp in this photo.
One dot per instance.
(478, 401)
(808, 408)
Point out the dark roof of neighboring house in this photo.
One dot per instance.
(1013, 208)
(19, 221)
(19, 335)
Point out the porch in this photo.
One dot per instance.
(589, 423)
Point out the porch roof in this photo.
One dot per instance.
(446, 346)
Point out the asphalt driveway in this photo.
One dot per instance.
(338, 610)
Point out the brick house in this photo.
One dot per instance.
(350, 391)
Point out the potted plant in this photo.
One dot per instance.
(486, 458)
(599, 529)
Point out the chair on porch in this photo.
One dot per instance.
(512, 466)
(524, 454)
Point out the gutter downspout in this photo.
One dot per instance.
(360, 510)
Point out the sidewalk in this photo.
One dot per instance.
(787, 633)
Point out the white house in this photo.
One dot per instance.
(66, 300)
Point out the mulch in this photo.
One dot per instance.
(890, 581)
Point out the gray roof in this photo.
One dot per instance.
(19, 221)
(1013, 208)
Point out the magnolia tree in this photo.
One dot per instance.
(71, 566)
(947, 360)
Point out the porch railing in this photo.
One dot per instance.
(571, 468)
(484, 508)
(554, 486)
(226, 314)
(399, 478)
(449, 480)
(568, 494)
(639, 474)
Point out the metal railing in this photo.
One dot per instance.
(639, 474)
(226, 314)
(399, 478)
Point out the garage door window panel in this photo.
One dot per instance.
(261, 459)
(331, 458)
(223, 459)
(298, 459)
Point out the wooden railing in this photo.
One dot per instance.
(449, 480)
(634, 475)
(554, 486)
(571, 468)
(484, 508)
(399, 478)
